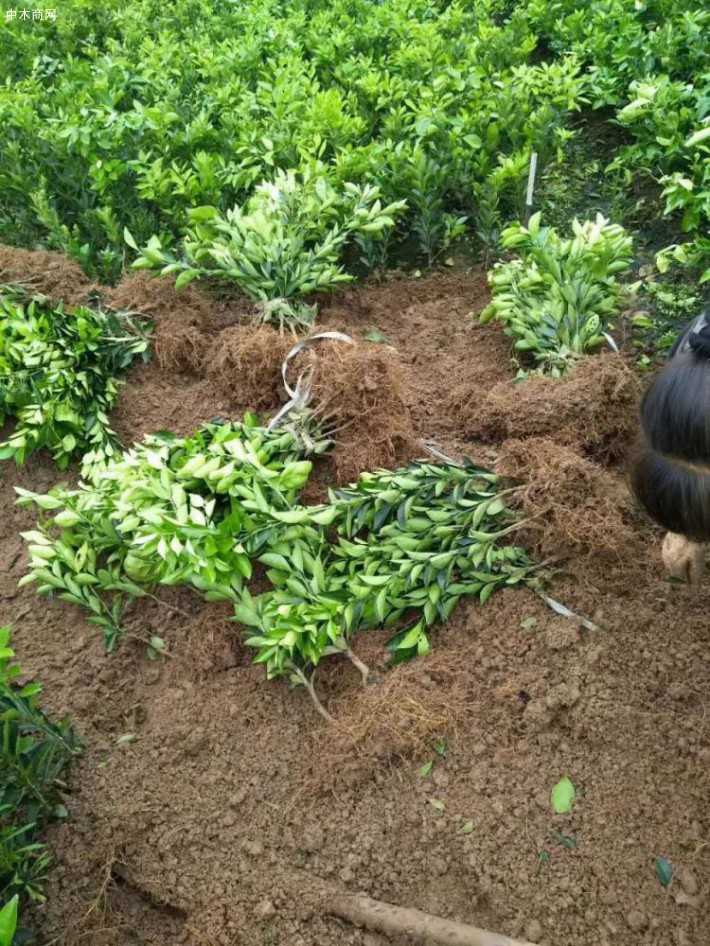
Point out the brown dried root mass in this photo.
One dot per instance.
(244, 364)
(186, 321)
(401, 716)
(357, 388)
(361, 388)
(593, 408)
(53, 274)
(574, 506)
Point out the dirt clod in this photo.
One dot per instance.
(562, 634)
(688, 881)
(637, 921)
(266, 910)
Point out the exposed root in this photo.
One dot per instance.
(362, 667)
(209, 644)
(186, 321)
(182, 349)
(244, 364)
(412, 707)
(574, 507)
(361, 388)
(98, 909)
(357, 389)
(593, 408)
(309, 684)
(53, 274)
(416, 926)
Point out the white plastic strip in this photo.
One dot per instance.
(612, 344)
(566, 613)
(431, 447)
(335, 336)
(301, 394)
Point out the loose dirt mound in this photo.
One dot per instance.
(205, 825)
(244, 364)
(573, 505)
(593, 409)
(360, 389)
(186, 321)
(50, 273)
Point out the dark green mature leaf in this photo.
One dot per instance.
(34, 754)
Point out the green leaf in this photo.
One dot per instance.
(129, 239)
(468, 827)
(562, 796)
(67, 518)
(698, 137)
(437, 805)
(8, 921)
(425, 769)
(567, 842)
(185, 277)
(664, 871)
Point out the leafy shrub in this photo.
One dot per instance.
(59, 376)
(673, 307)
(433, 227)
(556, 298)
(169, 511)
(34, 753)
(201, 510)
(107, 128)
(660, 116)
(621, 42)
(689, 191)
(284, 244)
(411, 542)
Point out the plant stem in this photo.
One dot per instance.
(309, 685)
(170, 607)
(362, 667)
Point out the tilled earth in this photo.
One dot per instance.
(218, 822)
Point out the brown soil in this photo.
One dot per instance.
(217, 823)
(593, 410)
(573, 506)
(48, 273)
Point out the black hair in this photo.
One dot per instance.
(670, 464)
